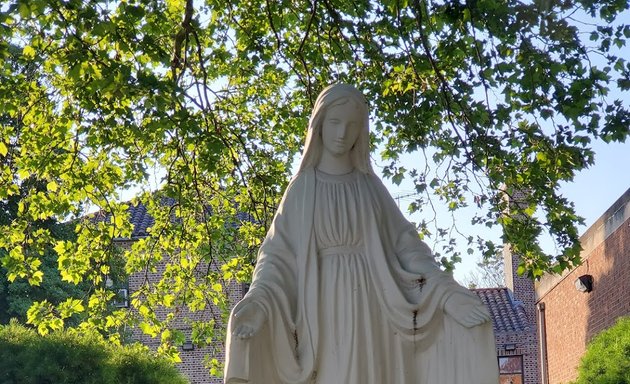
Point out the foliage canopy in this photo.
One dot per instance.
(18, 296)
(212, 98)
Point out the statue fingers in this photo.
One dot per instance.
(468, 322)
(243, 332)
(237, 331)
(483, 314)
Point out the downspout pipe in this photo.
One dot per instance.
(542, 332)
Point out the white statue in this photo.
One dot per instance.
(344, 291)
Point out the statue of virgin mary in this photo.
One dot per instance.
(344, 291)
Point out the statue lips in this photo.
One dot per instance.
(341, 144)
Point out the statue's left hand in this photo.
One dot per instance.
(248, 320)
(466, 309)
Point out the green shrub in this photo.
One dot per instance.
(73, 358)
(607, 358)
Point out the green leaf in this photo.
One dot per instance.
(168, 300)
(28, 52)
(36, 278)
(52, 186)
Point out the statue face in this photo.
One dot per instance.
(341, 127)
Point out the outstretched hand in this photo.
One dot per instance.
(248, 320)
(467, 310)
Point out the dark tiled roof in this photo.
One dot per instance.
(138, 216)
(142, 220)
(507, 315)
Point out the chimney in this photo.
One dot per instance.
(521, 288)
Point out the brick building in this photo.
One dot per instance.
(513, 321)
(193, 364)
(571, 317)
(514, 317)
(515, 337)
(563, 313)
(541, 330)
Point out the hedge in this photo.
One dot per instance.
(607, 358)
(70, 357)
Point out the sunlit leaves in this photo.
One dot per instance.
(42, 314)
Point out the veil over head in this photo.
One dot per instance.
(333, 95)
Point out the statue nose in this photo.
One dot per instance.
(342, 131)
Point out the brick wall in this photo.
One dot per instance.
(573, 317)
(526, 345)
(195, 363)
(521, 289)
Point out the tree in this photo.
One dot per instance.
(215, 96)
(17, 297)
(607, 358)
(488, 274)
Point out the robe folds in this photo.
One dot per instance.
(411, 340)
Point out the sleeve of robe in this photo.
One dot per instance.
(274, 288)
(413, 255)
(470, 352)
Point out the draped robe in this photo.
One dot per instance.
(417, 343)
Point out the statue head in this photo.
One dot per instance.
(332, 96)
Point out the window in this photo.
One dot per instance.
(121, 291)
(121, 300)
(510, 369)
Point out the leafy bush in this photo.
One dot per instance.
(70, 357)
(607, 358)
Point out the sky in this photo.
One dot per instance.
(593, 191)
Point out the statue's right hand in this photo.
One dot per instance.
(248, 320)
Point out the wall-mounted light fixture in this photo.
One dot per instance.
(509, 347)
(584, 283)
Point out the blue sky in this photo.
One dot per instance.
(598, 187)
(593, 191)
